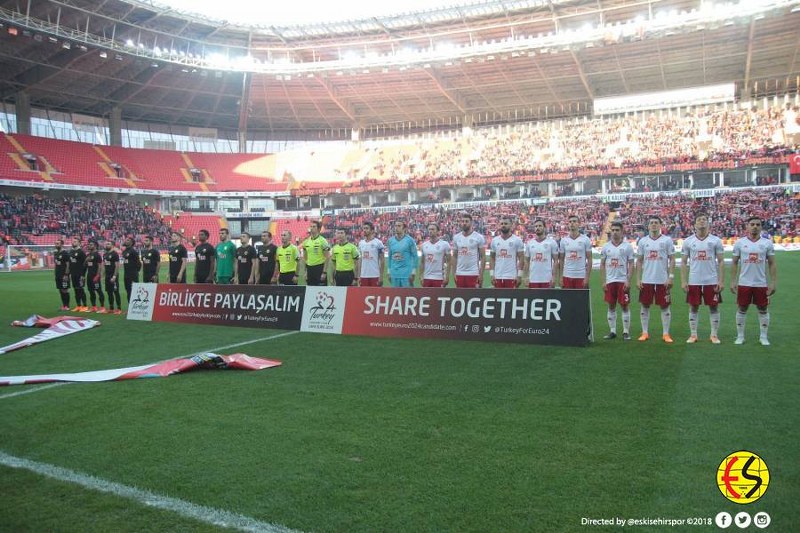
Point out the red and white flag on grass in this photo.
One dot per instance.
(237, 361)
(56, 327)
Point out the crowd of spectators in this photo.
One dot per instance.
(641, 139)
(728, 210)
(22, 217)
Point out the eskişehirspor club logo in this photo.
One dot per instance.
(743, 477)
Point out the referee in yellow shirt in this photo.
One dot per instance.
(315, 256)
(344, 255)
(286, 258)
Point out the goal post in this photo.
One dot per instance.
(26, 258)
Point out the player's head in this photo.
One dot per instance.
(314, 228)
(109, 245)
(202, 235)
(341, 236)
(538, 227)
(175, 239)
(399, 228)
(368, 228)
(433, 231)
(654, 226)
(59, 244)
(574, 224)
(754, 225)
(286, 237)
(266, 237)
(701, 222)
(148, 241)
(224, 234)
(76, 242)
(128, 242)
(92, 245)
(245, 238)
(505, 225)
(466, 222)
(616, 231)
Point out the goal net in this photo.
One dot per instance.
(19, 258)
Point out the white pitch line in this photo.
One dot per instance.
(29, 391)
(279, 335)
(208, 515)
(236, 345)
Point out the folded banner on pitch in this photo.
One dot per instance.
(56, 327)
(237, 361)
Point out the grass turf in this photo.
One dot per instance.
(364, 434)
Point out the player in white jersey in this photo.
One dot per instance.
(655, 266)
(616, 267)
(754, 253)
(575, 257)
(469, 255)
(541, 259)
(703, 276)
(506, 257)
(434, 263)
(369, 264)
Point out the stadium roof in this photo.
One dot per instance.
(494, 62)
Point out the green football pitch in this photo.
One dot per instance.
(363, 434)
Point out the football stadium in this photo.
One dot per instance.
(499, 265)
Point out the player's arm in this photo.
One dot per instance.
(481, 264)
(588, 265)
(629, 273)
(356, 263)
(158, 266)
(671, 270)
(520, 267)
(734, 272)
(603, 270)
(332, 266)
(555, 265)
(559, 275)
(720, 271)
(301, 263)
(526, 266)
(453, 263)
(184, 262)
(256, 269)
(101, 270)
(422, 265)
(412, 250)
(212, 267)
(446, 258)
(381, 267)
(772, 265)
(639, 265)
(492, 261)
(326, 265)
(685, 271)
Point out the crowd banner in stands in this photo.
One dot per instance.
(255, 306)
(530, 316)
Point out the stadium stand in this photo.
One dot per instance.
(189, 224)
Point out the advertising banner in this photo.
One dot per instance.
(532, 316)
(256, 306)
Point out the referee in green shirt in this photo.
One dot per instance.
(316, 255)
(343, 256)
